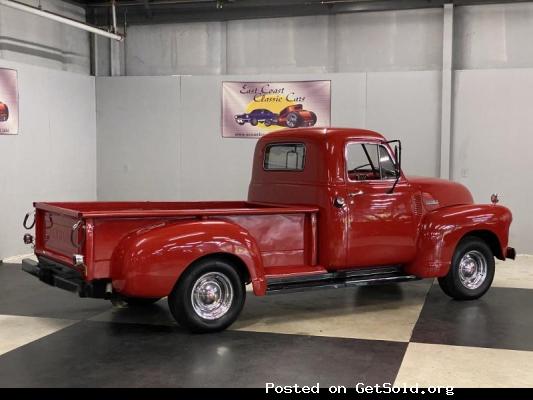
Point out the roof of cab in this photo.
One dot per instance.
(323, 134)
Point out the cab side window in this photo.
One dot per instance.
(365, 161)
(284, 157)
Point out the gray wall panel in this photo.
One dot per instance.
(279, 45)
(54, 156)
(212, 168)
(138, 132)
(188, 48)
(492, 136)
(389, 41)
(493, 36)
(406, 106)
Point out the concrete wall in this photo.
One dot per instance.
(493, 36)
(38, 41)
(138, 127)
(160, 138)
(493, 135)
(54, 156)
(381, 41)
(406, 105)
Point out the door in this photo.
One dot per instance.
(381, 226)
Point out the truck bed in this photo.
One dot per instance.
(285, 235)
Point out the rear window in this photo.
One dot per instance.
(285, 157)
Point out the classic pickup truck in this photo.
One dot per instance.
(326, 208)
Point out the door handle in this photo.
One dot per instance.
(353, 194)
(339, 202)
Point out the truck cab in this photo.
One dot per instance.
(370, 212)
(326, 208)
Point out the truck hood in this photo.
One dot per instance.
(437, 193)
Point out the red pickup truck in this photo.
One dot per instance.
(327, 208)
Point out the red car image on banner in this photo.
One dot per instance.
(4, 112)
(296, 117)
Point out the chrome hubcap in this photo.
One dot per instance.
(212, 295)
(473, 269)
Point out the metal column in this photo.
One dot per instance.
(446, 101)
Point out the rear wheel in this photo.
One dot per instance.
(313, 119)
(268, 122)
(293, 120)
(208, 297)
(471, 272)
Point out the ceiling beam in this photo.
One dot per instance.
(171, 11)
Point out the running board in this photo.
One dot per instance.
(340, 279)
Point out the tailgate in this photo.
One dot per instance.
(58, 236)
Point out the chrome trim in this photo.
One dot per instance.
(77, 260)
(473, 269)
(212, 296)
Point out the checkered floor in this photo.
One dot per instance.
(406, 333)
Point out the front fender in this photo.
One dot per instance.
(441, 230)
(148, 262)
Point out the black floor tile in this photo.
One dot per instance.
(23, 294)
(105, 354)
(153, 314)
(500, 319)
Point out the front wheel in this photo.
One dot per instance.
(208, 297)
(471, 272)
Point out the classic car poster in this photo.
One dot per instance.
(9, 118)
(252, 109)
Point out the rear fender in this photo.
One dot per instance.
(148, 262)
(441, 230)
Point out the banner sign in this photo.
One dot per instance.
(252, 109)
(9, 102)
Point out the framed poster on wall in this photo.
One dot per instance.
(252, 109)
(9, 102)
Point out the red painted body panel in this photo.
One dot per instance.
(147, 263)
(288, 227)
(441, 230)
